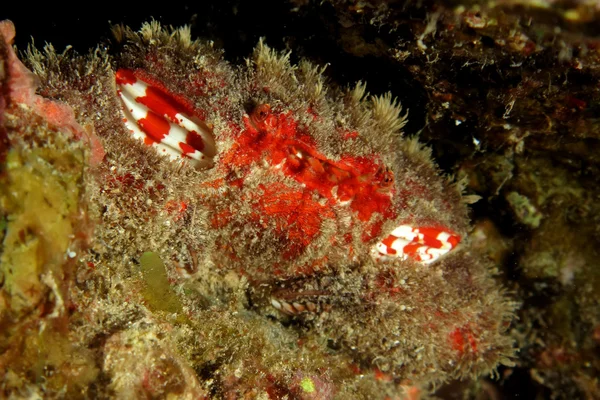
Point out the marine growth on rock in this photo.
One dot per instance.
(301, 245)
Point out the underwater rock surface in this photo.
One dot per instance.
(145, 275)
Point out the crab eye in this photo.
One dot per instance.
(384, 177)
(259, 115)
(388, 179)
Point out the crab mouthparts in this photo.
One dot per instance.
(423, 244)
(159, 120)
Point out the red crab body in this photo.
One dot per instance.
(300, 206)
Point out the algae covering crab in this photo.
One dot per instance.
(242, 232)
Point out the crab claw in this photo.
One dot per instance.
(157, 118)
(425, 244)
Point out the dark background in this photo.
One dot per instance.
(234, 26)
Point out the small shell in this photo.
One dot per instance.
(425, 244)
(157, 118)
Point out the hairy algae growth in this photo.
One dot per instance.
(195, 317)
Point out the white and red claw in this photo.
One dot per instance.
(423, 244)
(160, 121)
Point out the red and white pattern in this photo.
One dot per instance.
(160, 121)
(425, 245)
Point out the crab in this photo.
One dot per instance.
(336, 223)
(321, 186)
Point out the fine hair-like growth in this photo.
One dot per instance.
(308, 245)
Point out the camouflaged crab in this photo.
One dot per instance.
(336, 224)
(362, 183)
